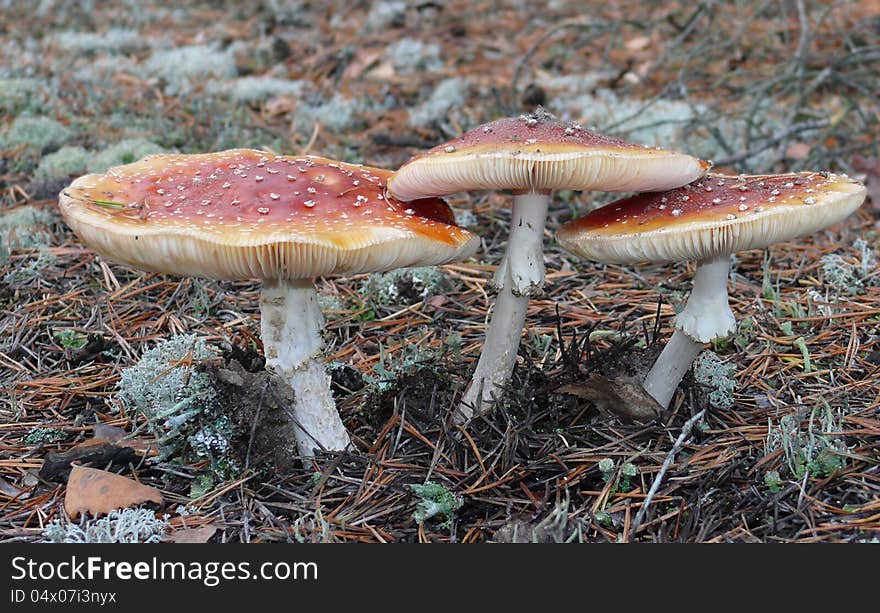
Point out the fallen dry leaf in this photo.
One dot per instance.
(201, 534)
(798, 151)
(623, 397)
(98, 492)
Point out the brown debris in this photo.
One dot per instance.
(98, 492)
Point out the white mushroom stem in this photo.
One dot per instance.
(706, 316)
(519, 277)
(291, 328)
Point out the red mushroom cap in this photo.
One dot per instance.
(538, 153)
(247, 214)
(714, 216)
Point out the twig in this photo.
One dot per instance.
(685, 431)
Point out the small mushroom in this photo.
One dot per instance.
(244, 214)
(531, 155)
(708, 221)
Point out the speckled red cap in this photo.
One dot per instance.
(714, 216)
(538, 153)
(242, 214)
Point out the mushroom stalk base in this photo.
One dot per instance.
(706, 316)
(519, 277)
(291, 328)
(668, 371)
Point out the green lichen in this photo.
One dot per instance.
(38, 436)
(773, 481)
(436, 501)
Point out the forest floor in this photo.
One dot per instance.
(787, 447)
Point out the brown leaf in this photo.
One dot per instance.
(797, 151)
(438, 300)
(362, 61)
(638, 43)
(104, 432)
(623, 397)
(99, 492)
(201, 534)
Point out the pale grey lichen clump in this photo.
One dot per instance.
(182, 68)
(69, 161)
(466, 218)
(711, 371)
(405, 286)
(179, 402)
(36, 134)
(123, 152)
(665, 122)
(23, 228)
(409, 55)
(811, 447)
(851, 277)
(114, 40)
(385, 14)
(17, 94)
(123, 526)
(336, 114)
(257, 89)
(448, 95)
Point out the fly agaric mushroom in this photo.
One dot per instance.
(708, 221)
(531, 155)
(243, 214)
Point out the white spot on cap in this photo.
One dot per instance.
(263, 210)
(309, 203)
(448, 148)
(274, 196)
(676, 212)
